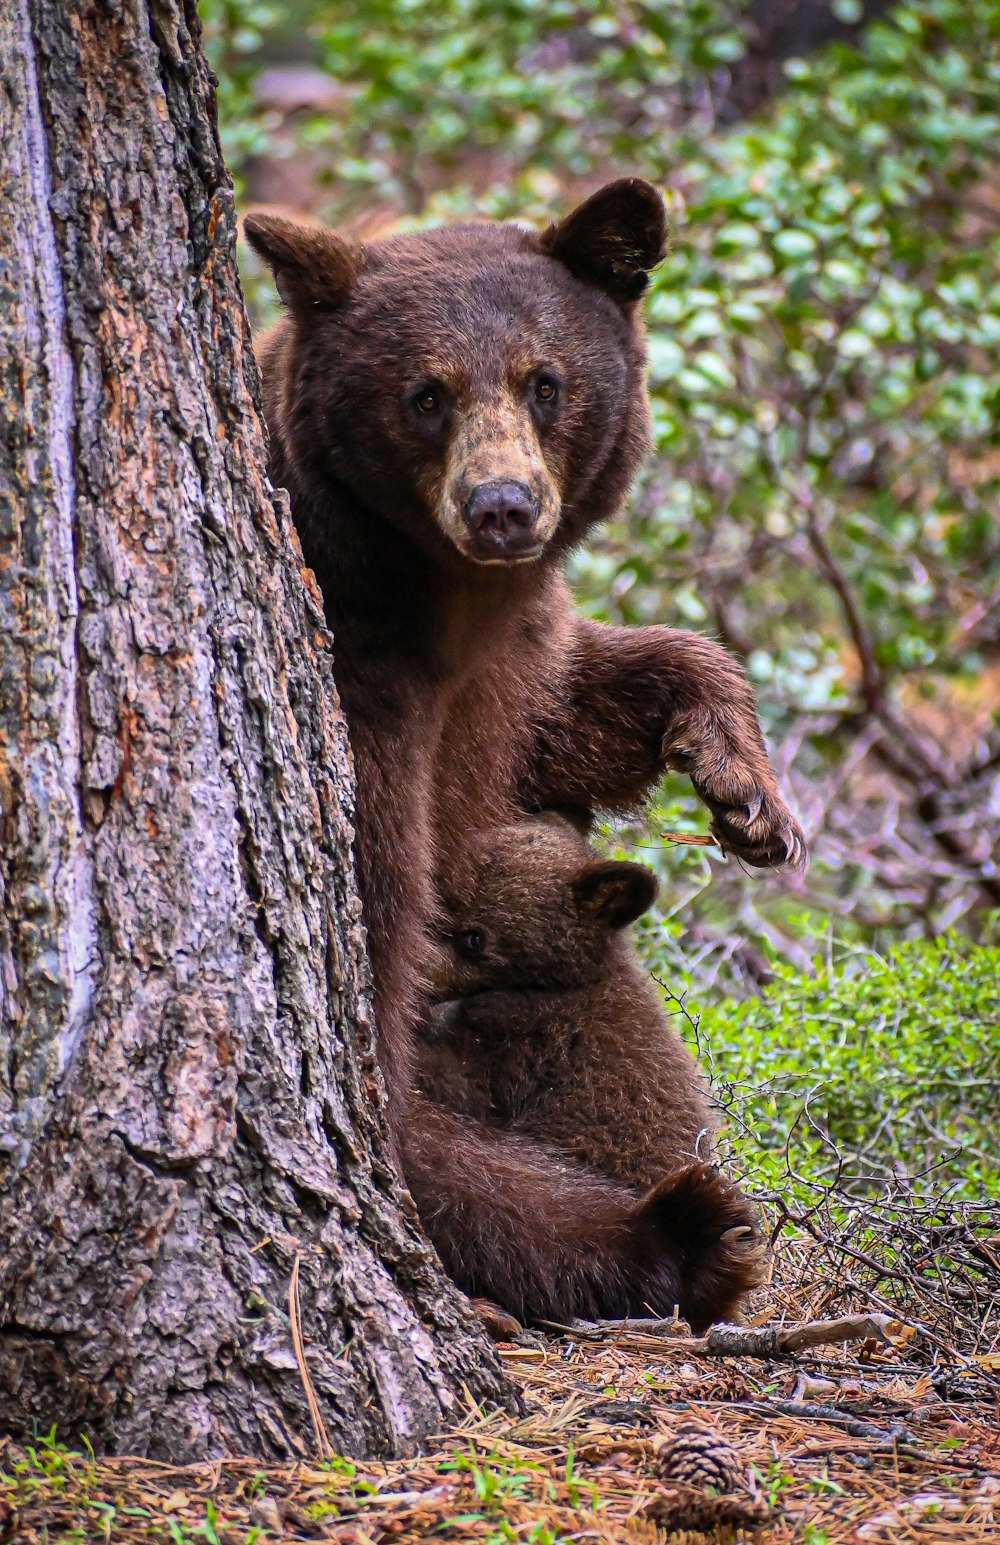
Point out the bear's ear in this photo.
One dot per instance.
(613, 893)
(614, 239)
(313, 267)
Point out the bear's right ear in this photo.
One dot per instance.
(614, 893)
(313, 267)
(613, 239)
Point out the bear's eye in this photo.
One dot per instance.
(546, 390)
(471, 943)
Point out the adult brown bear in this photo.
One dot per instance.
(451, 412)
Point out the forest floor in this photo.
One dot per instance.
(886, 1428)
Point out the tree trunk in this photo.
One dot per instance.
(189, 1102)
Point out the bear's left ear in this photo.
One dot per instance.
(313, 267)
(614, 893)
(614, 239)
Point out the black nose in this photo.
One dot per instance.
(501, 512)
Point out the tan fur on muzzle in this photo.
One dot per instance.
(496, 442)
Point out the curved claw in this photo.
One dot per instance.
(780, 845)
(796, 851)
(753, 806)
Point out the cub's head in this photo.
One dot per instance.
(536, 909)
(481, 385)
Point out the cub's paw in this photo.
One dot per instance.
(498, 1324)
(756, 827)
(714, 1230)
(441, 1021)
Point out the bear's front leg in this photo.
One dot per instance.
(633, 702)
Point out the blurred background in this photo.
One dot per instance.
(824, 342)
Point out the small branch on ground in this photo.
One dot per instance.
(766, 1341)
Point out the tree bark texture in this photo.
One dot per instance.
(189, 1100)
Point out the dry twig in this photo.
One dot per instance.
(768, 1341)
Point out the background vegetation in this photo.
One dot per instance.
(825, 369)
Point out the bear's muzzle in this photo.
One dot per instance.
(502, 519)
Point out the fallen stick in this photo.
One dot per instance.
(768, 1341)
(897, 1437)
(854, 1426)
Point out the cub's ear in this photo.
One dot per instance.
(613, 893)
(614, 239)
(313, 267)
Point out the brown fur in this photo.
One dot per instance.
(549, 1026)
(520, 1223)
(471, 690)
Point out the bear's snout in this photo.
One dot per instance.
(498, 502)
(501, 517)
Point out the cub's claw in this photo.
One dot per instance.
(498, 1324)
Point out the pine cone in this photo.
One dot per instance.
(698, 1456)
(680, 1508)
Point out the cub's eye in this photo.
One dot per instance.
(546, 390)
(428, 400)
(470, 944)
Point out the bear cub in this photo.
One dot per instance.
(546, 1024)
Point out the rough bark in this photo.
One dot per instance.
(189, 1101)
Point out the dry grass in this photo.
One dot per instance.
(895, 1440)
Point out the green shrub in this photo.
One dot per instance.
(885, 1068)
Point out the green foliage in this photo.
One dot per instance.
(825, 365)
(69, 1488)
(555, 85)
(824, 361)
(234, 34)
(500, 1480)
(880, 1068)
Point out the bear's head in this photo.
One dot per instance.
(535, 909)
(480, 385)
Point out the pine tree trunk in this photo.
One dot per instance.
(189, 1103)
